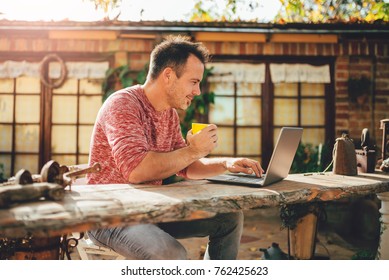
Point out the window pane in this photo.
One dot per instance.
(225, 141)
(65, 109)
(6, 108)
(28, 85)
(28, 162)
(6, 85)
(65, 159)
(249, 89)
(63, 139)
(222, 112)
(276, 133)
(27, 109)
(249, 141)
(313, 136)
(84, 138)
(222, 88)
(286, 89)
(249, 111)
(69, 87)
(5, 160)
(83, 159)
(90, 86)
(312, 89)
(285, 112)
(89, 107)
(27, 138)
(6, 138)
(313, 112)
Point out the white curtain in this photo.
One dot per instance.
(78, 70)
(293, 73)
(237, 72)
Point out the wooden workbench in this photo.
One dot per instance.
(88, 207)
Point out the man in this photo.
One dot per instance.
(137, 139)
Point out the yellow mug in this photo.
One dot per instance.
(196, 127)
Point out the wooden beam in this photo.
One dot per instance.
(137, 36)
(229, 37)
(303, 38)
(88, 35)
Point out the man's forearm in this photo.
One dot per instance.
(157, 165)
(206, 167)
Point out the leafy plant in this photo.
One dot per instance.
(307, 158)
(2, 176)
(122, 77)
(358, 87)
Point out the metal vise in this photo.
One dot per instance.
(366, 157)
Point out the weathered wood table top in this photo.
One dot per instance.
(94, 206)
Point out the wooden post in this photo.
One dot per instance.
(302, 238)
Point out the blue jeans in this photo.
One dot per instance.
(158, 242)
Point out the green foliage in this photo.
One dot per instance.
(358, 87)
(307, 159)
(224, 11)
(106, 5)
(2, 176)
(364, 255)
(321, 11)
(198, 109)
(307, 11)
(122, 77)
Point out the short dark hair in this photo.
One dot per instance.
(174, 52)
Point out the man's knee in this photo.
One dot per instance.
(166, 251)
(233, 218)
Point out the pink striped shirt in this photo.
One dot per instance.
(126, 128)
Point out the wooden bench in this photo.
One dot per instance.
(88, 207)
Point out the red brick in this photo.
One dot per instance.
(218, 48)
(311, 49)
(242, 49)
(278, 49)
(302, 48)
(260, 48)
(319, 49)
(380, 50)
(336, 49)
(328, 49)
(286, 48)
(345, 48)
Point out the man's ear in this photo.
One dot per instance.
(167, 74)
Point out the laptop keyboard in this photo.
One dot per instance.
(243, 178)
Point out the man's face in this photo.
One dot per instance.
(182, 90)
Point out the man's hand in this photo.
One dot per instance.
(244, 165)
(203, 142)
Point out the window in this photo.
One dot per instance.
(38, 123)
(250, 109)
(20, 116)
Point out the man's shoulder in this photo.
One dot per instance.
(125, 97)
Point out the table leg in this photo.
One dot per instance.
(383, 248)
(303, 237)
(301, 220)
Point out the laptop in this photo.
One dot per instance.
(279, 165)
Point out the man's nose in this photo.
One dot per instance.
(197, 91)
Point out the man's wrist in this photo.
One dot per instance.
(224, 164)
